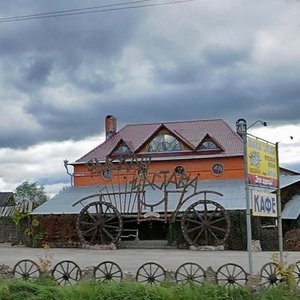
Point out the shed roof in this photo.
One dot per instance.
(6, 198)
(23, 207)
(190, 132)
(233, 198)
(287, 180)
(291, 210)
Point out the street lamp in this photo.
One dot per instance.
(241, 127)
(66, 162)
(263, 123)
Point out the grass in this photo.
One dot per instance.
(48, 290)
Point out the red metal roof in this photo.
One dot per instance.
(190, 132)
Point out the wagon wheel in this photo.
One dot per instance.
(190, 272)
(26, 269)
(297, 272)
(270, 275)
(66, 272)
(150, 273)
(108, 271)
(231, 275)
(99, 223)
(205, 223)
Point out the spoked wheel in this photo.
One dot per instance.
(231, 275)
(204, 223)
(66, 272)
(99, 223)
(297, 272)
(108, 271)
(26, 269)
(270, 275)
(150, 273)
(190, 273)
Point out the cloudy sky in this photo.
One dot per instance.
(60, 76)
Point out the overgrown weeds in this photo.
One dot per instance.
(49, 290)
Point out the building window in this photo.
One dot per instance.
(208, 145)
(217, 169)
(122, 150)
(179, 170)
(106, 174)
(164, 143)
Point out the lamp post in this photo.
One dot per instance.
(279, 218)
(241, 126)
(66, 167)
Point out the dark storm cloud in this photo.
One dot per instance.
(33, 74)
(230, 99)
(75, 51)
(65, 44)
(216, 55)
(72, 72)
(187, 72)
(38, 71)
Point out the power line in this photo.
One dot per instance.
(89, 10)
(72, 10)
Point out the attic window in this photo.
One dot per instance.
(208, 144)
(122, 150)
(164, 143)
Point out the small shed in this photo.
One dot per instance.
(9, 232)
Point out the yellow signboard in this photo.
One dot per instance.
(262, 163)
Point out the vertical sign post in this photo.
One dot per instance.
(279, 219)
(241, 125)
(261, 171)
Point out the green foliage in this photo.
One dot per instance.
(47, 289)
(286, 271)
(237, 239)
(31, 192)
(38, 240)
(17, 217)
(4, 290)
(175, 235)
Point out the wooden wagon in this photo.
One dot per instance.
(132, 193)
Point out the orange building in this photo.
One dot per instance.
(176, 181)
(209, 148)
(149, 181)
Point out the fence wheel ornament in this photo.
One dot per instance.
(26, 269)
(297, 272)
(66, 272)
(190, 273)
(270, 275)
(231, 275)
(151, 273)
(108, 271)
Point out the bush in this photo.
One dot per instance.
(292, 240)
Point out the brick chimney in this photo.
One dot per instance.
(110, 126)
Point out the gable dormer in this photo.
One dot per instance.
(209, 144)
(164, 140)
(122, 148)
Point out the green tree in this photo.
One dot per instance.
(31, 192)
